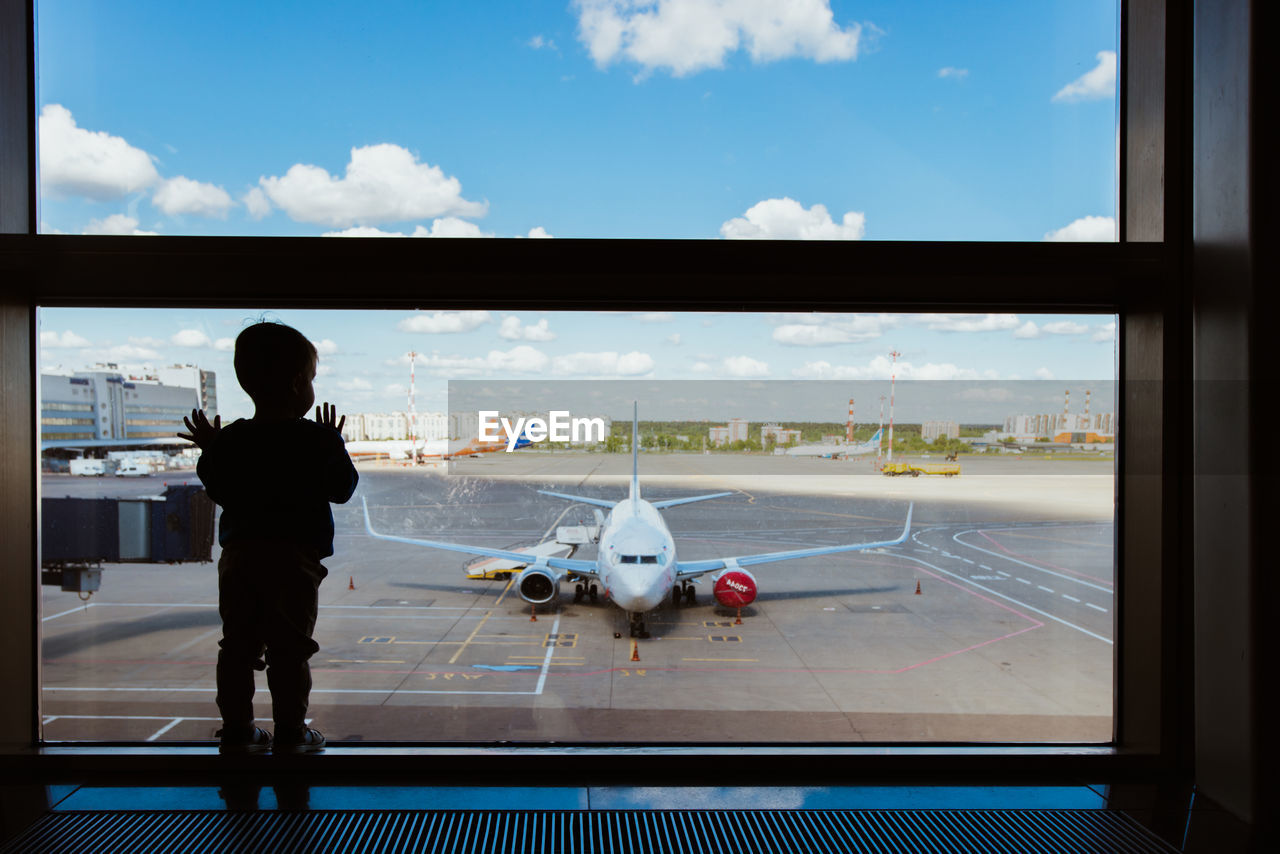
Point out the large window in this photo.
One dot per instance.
(991, 618)
(1126, 283)
(838, 120)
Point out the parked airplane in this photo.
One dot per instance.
(433, 449)
(636, 560)
(871, 446)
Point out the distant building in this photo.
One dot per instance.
(394, 426)
(1062, 427)
(780, 435)
(933, 430)
(104, 404)
(718, 435)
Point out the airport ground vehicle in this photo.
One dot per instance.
(89, 467)
(915, 469)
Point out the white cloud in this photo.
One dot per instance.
(674, 338)
(1104, 333)
(115, 224)
(94, 164)
(1044, 373)
(744, 367)
(148, 341)
(450, 226)
(821, 330)
(184, 196)
(954, 73)
(686, 36)
(513, 330)
(1089, 229)
(355, 384)
(787, 219)
(1065, 327)
(363, 231)
(1027, 330)
(881, 368)
(383, 183)
(540, 233)
(633, 364)
(969, 322)
(124, 353)
(324, 370)
(66, 339)
(226, 345)
(256, 203)
(190, 338)
(1097, 82)
(440, 322)
(539, 42)
(655, 317)
(325, 347)
(520, 359)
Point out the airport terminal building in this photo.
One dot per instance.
(104, 403)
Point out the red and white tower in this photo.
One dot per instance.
(848, 426)
(413, 414)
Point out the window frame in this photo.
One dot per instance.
(1139, 279)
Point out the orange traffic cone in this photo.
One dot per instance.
(635, 651)
(738, 621)
(533, 613)
(917, 587)
(351, 584)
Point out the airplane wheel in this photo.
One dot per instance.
(676, 594)
(691, 595)
(594, 593)
(577, 593)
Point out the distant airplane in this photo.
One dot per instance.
(871, 446)
(636, 561)
(428, 449)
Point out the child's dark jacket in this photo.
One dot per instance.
(275, 479)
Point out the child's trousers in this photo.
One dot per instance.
(267, 598)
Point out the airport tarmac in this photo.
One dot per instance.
(1010, 638)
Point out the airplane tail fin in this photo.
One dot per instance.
(635, 451)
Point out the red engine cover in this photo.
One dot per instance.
(735, 588)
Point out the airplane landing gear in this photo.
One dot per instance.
(637, 625)
(686, 592)
(589, 590)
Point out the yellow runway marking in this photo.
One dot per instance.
(505, 591)
(474, 632)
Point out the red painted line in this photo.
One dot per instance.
(1046, 563)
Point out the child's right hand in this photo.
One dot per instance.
(329, 417)
(202, 432)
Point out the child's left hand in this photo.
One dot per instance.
(329, 417)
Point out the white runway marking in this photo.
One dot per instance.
(1023, 580)
(1028, 565)
(1045, 589)
(1007, 598)
(1072, 598)
(1095, 607)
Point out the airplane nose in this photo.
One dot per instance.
(636, 591)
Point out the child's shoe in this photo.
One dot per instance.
(252, 740)
(305, 740)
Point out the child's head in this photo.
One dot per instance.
(275, 365)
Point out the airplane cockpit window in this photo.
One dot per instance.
(878, 527)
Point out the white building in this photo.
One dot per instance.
(932, 430)
(780, 435)
(103, 404)
(394, 426)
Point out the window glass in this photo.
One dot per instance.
(839, 120)
(990, 618)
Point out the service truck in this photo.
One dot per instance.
(88, 467)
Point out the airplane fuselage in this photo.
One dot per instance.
(637, 557)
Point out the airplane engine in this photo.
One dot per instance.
(539, 584)
(735, 588)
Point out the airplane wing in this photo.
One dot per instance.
(674, 502)
(694, 568)
(586, 568)
(599, 502)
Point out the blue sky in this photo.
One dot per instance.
(583, 118)
(364, 365)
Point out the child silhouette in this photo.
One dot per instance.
(274, 476)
